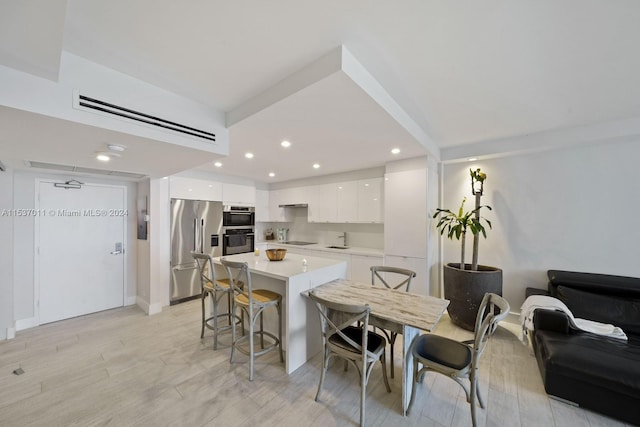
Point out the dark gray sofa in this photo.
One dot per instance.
(595, 372)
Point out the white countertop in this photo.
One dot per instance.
(290, 266)
(352, 250)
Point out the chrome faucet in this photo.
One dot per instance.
(344, 238)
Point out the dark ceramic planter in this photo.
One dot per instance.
(465, 290)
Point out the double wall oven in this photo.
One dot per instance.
(238, 229)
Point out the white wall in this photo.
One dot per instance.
(143, 249)
(22, 281)
(6, 256)
(570, 209)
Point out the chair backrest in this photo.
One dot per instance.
(205, 268)
(335, 316)
(493, 309)
(405, 277)
(239, 278)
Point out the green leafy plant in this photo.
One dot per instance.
(457, 225)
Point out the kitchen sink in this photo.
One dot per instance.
(338, 247)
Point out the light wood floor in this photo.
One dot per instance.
(121, 367)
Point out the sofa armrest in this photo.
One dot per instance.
(551, 320)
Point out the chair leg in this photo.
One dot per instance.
(202, 297)
(261, 330)
(384, 372)
(251, 329)
(414, 381)
(479, 396)
(325, 362)
(214, 306)
(472, 403)
(229, 316)
(233, 334)
(363, 393)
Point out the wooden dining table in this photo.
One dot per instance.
(402, 312)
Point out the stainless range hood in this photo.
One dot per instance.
(294, 205)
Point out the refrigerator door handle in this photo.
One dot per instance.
(202, 234)
(195, 234)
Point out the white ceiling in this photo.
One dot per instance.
(465, 72)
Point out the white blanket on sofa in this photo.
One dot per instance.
(549, 303)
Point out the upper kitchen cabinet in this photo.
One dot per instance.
(323, 207)
(370, 200)
(347, 201)
(262, 206)
(194, 189)
(238, 195)
(276, 213)
(294, 196)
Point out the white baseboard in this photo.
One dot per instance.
(155, 308)
(11, 333)
(130, 301)
(23, 324)
(150, 309)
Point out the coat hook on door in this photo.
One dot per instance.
(73, 183)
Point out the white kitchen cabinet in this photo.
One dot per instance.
(313, 203)
(276, 213)
(405, 213)
(326, 201)
(419, 265)
(262, 206)
(295, 195)
(361, 265)
(194, 189)
(238, 195)
(370, 200)
(347, 201)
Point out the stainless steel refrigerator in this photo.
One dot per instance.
(196, 225)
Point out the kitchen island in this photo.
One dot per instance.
(290, 277)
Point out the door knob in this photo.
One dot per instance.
(119, 250)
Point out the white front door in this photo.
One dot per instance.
(79, 268)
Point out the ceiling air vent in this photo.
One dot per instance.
(84, 102)
(79, 169)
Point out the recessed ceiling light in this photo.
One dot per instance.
(105, 156)
(165, 177)
(217, 164)
(395, 151)
(316, 166)
(472, 159)
(248, 155)
(271, 174)
(285, 144)
(115, 147)
(190, 189)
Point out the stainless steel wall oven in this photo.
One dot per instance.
(238, 216)
(238, 241)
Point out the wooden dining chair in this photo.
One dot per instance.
(391, 278)
(459, 360)
(354, 344)
(216, 289)
(252, 302)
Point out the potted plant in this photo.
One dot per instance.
(466, 284)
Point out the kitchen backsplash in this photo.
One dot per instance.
(359, 235)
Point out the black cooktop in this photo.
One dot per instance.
(297, 242)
